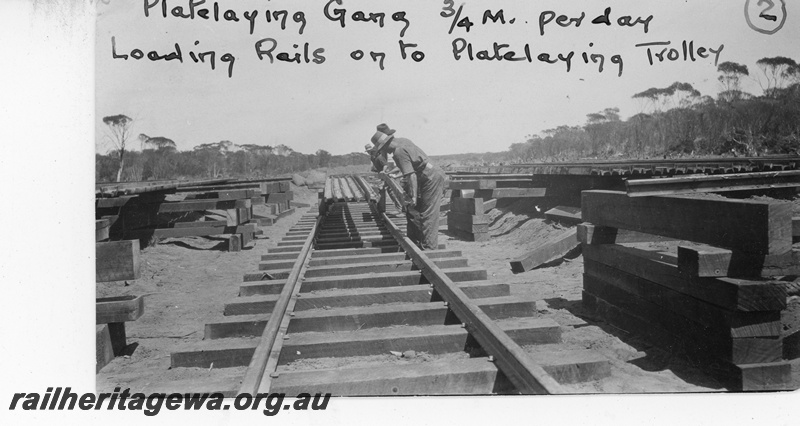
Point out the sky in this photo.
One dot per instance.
(445, 105)
(48, 118)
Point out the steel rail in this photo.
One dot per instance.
(495, 176)
(338, 195)
(348, 194)
(585, 166)
(355, 189)
(328, 190)
(254, 375)
(265, 179)
(369, 192)
(510, 358)
(713, 183)
(709, 160)
(394, 188)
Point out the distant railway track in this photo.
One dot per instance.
(655, 167)
(347, 292)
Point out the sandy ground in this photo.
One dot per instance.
(636, 366)
(188, 280)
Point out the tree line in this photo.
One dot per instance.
(677, 120)
(159, 159)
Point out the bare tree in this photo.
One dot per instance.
(158, 142)
(213, 156)
(119, 127)
(778, 71)
(731, 80)
(603, 129)
(160, 157)
(676, 95)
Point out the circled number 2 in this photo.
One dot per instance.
(764, 17)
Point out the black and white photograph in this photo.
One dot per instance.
(303, 208)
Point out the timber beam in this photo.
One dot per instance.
(728, 293)
(364, 296)
(364, 268)
(351, 318)
(436, 339)
(451, 377)
(746, 225)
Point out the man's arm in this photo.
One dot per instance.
(403, 161)
(411, 188)
(378, 163)
(393, 173)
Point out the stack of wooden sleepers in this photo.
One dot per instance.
(472, 198)
(718, 300)
(116, 261)
(190, 208)
(278, 197)
(149, 215)
(468, 220)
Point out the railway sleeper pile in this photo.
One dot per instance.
(221, 207)
(561, 184)
(146, 216)
(278, 198)
(115, 261)
(363, 319)
(473, 196)
(718, 301)
(468, 218)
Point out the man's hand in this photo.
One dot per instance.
(393, 173)
(409, 201)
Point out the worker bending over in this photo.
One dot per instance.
(380, 164)
(424, 186)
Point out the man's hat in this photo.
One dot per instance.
(380, 140)
(383, 128)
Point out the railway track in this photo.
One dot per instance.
(346, 305)
(642, 168)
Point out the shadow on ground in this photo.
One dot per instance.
(568, 257)
(203, 244)
(656, 358)
(129, 349)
